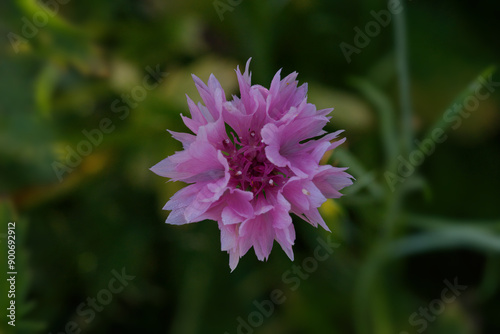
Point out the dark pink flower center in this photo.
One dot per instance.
(249, 167)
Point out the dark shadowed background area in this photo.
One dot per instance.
(88, 88)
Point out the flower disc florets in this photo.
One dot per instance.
(249, 167)
(251, 162)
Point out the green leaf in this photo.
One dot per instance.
(456, 106)
(437, 223)
(44, 87)
(458, 237)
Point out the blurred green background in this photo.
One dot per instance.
(70, 70)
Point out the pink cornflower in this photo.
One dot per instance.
(251, 162)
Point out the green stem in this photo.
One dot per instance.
(393, 211)
(404, 79)
(386, 114)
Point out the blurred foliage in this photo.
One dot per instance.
(66, 67)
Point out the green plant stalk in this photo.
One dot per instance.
(400, 41)
(386, 113)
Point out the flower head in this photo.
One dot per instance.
(251, 162)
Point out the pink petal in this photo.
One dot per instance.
(237, 207)
(212, 95)
(330, 180)
(296, 190)
(185, 138)
(199, 162)
(286, 238)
